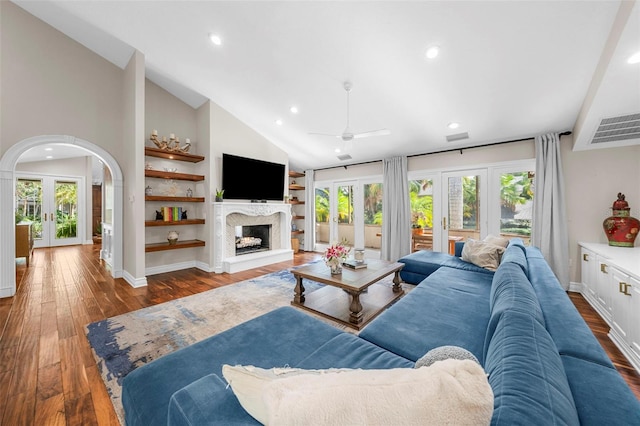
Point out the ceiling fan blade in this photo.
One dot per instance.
(325, 134)
(380, 132)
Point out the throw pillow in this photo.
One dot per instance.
(498, 241)
(482, 254)
(442, 353)
(342, 396)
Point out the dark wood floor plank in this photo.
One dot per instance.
(66, 288)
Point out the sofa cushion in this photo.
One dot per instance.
(207, 401)
(496, 240)
(601, 395)
(281, 337)
(516, 255)
(421, 264)
(570, 332)
(291, 396)
(527, 375)
(450, 307)
(482, 254)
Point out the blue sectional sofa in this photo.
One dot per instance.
(543, 363)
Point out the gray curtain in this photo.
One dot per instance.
(396, 209)
(309, 211)
(549, 228)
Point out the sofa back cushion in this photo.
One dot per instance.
(526, 374)
(516, 255)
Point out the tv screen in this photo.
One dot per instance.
(250, 179)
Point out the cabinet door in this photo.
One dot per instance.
(634, 316)
(620, 303)
(603, 288)
(588, 270)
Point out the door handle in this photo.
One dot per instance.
(44, 217)
(444, 223)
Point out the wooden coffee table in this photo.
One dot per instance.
(365, 297)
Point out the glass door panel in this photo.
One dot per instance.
(516, 204)
(421, 199)
(322, 194)
(66, 212)
(372, 200)
(29, 203)
(465, 214)
(344, 231)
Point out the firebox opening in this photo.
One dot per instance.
(251, 239)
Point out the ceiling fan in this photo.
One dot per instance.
(347, 135)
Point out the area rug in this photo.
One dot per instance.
(123, 343)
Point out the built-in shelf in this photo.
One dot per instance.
(172, 155)
(297, 217)
(174, 222)
(297, 232)
(161, 174)
(295, 174)
(178, 245)
(296, 202)
(296, 187)
(168, 198)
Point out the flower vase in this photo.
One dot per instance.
(336, 268)
(621, 229)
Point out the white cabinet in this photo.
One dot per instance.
(611, 284)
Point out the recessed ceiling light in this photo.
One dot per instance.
(49, 157)
(293, 109)
(453, 125)
(279, 122)
(337, 150)
(48, 149)
(634, 59)
(215, 39)
(432, 52)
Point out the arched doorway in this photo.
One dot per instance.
(7, 189)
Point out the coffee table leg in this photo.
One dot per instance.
(396, 282)
(356, 314)
(299, 291)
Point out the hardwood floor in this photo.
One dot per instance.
(47, 372)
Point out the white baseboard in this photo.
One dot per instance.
(134, 282)
(576, 287)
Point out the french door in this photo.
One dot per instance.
(464, 210)
(52, 203)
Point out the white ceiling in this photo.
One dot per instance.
(507, 70)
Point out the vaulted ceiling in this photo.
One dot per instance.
(505, 70)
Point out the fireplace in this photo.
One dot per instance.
(271, 223)
(252, 239)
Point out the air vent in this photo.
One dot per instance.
(616, 129)
(457, 137)
(344, 157)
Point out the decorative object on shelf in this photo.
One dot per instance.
(171, 169)
(358, 255)
(148, 190)
(183, 216)
(621, 229)
(159, 215)
(294, 227)
(286, 198)
(334, 256)
(189, 193)
(172, 237)
(148, 166)
(294, 198)
(172, 145)
(170, 188)
(219, 194)
(293, 182)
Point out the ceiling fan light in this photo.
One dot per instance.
(279, 122)
(432, 52)
(293, 109)
(453, 125)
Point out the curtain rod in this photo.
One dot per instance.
(443, 151)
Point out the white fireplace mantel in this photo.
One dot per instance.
(225, 263)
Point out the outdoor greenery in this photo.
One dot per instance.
(421, 200)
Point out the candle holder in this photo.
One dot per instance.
(172, 145)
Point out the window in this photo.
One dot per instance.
(421, 198)
(516, 204)
(372, 195)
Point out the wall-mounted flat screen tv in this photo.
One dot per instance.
(250, 179)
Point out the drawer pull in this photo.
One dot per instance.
(603, 268)
(585, 257)
(625, 291)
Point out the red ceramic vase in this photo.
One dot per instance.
(621, 229)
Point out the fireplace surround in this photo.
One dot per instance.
(227, 216)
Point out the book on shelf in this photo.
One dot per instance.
(354, 264)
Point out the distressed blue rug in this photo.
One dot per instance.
(125, 342)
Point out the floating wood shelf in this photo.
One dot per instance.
(178, 245)
(295, 174)
(174, 222)
(172, 175)
(296, 187)
(297, 217)
(298, 232)
(295, 202)
(173, 199)
(180, 156)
